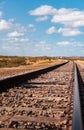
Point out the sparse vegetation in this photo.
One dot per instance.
(15, 61)
(11, 61)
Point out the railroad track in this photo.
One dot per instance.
(51, 100)
(20, 78)
(78, 114)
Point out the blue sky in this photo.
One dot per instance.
(42, 27)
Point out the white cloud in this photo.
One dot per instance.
(43, 10)
(31, 28)
(5, 25)
(51, 30)
(16, 40)
(69, 31)
(69, 17)
(19, 28)
(64, 31)
(44, 18)
(24, 40)
(43, 46)
(11, 40)
(69, 43)
(63, 43)
(15, 34)
(30, 25)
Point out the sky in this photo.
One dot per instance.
(42, 27)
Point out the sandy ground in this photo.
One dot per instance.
(6, 72)
(81, 63)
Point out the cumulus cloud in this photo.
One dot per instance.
(69, 17)
(69, 31)
(64, 31)
(44, 18)
(51, 30)
(15, 34)
(5, 25)
(43, 10)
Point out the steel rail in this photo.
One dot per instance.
(77, 114)
(12, 81)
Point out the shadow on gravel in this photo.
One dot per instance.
(29, 85)
(48, 83)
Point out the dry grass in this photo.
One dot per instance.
(80, 61)
(29, 65)
(14, 61)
